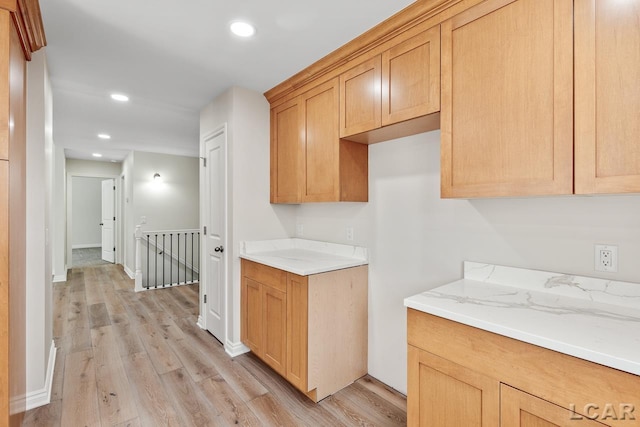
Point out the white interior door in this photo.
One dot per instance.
(215, 237)
(108, 220)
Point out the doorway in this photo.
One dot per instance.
(91, 221)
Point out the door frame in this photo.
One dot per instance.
(69, 210)
(228, 261)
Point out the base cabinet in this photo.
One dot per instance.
(312, 329)
(463, 376)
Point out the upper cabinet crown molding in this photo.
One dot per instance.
(27, 19)
(409, 17)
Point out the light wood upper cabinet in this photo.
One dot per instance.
(507, 99)
(287, 152)
(411, 78)
(309, 162)
(607, 98)
(400, 84)
(360, 101)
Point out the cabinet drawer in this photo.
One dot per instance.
(266, 275)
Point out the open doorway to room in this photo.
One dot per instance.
(91, 221)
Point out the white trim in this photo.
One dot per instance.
(35, 399)
(87, 246)
(130, 273)
(200, 322)
(60, 277)
(235, 349)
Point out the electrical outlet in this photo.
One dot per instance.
(299, 230)
(143, 220)
(606, 258)
(350, 233)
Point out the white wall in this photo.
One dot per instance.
(86, 211)
(418, 241)
(39, 150)
(251, 217)
(58, 229)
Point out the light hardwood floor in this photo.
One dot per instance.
(139, 359)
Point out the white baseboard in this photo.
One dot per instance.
(60, 277)
(235, 349)
(35, 399)
(87, 246)
(200, 322)
(130, 273)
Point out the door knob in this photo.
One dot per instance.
(219, 249)
(101, 224)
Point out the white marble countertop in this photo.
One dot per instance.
(303, 257)
(593, 319)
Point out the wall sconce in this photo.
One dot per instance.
(156, 177)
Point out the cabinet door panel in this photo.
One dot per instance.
(607, 63)
(297, 331)
(360, 100)
(519, 409)
(287, 152)
(251, 325)
(322, 143)
(444, 394)
(274, 323)
(507, 99)
(411, 78)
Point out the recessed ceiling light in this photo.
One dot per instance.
(119, 97)
(104, 136)
(242, 29)
(97, 155)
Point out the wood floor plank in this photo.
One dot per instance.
(192, 406)
(271, 412)
(197, 364)
(58, 373)
(387, 393)
(80, 395)
(233, 410)
(198, 376)
(243, 383)
(114, 392)
(131, 423)
(60, 306)
(98, 316)
(162, 356)
(153, 404)
(295, 402)
(127, 339)
(44, 416)
(347, 405)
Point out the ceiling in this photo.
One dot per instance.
(173, 60)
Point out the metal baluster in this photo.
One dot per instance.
(178, 280)
(198, 257)
(171, 260)
(185, 258)
(155, 269)
(191, 257)
(164, 256)
(148, 244)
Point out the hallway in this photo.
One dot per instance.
(139, 359)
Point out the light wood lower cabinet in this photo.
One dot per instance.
(519, 409)
(312, 330)
(463, 376)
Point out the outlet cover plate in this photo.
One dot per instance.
(606, 258)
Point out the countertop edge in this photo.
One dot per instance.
(307, 272)
(548, 343)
